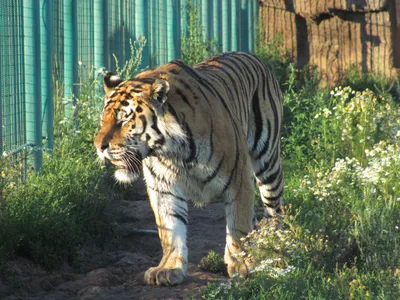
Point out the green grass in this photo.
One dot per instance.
(52, 213)
(310, 283)
(55, 211)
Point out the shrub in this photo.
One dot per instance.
(276, 57)
(354, 122)
(58, 210)
(379, 84)
(213, 263)
(9, 177)
(54, 211)
(300, 126)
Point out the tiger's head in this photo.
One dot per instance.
(134, 123)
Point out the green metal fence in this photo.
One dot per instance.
(45, 45)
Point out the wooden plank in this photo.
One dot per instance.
(314, 8)
(395, 16)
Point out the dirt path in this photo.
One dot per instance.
(116, 272)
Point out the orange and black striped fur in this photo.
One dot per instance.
(198, 134)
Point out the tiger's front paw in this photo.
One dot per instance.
(162, 276)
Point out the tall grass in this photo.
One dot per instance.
(56, 210)
(53, 212)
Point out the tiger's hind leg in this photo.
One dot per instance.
(269, 179)
(239, 211)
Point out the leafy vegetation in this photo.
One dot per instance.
(341, 231)
(49, 215)
(279, 61)
(195, 47)
(132, 65)
(52, 213)
(213, 263)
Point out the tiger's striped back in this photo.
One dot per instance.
(239, 89)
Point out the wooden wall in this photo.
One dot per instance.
(336, 35)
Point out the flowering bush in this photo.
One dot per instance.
(355, 122)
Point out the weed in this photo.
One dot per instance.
(213, 263)
(195, 48)
(132, 65)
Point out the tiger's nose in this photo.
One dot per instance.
(101, 146)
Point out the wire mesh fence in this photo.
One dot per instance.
(12, 88)
(49, 47)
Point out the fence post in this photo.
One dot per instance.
(141, 28)
(184, 16)
(177, 28)
(2, 54)
(1, 93)
(154, 37)
(1, 115)
(225, 25)
(70, 54)
(150, 33)
(100, 26)
(216, 22)
(234, 25)
(244, 26)
(99, 18)
(171, 30)
(254, 21)
(162, 40)
(31, 13)
(252, 15)
(46, 52)
(205, 23)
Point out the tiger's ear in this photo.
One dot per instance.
(159, 91)
(111, 81)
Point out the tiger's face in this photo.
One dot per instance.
(130, 128)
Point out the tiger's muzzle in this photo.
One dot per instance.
(128, 161)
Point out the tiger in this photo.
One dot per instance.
(202, 133)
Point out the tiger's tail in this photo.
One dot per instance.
(270, 184)
(266, 150)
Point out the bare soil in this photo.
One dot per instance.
(116, 271)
